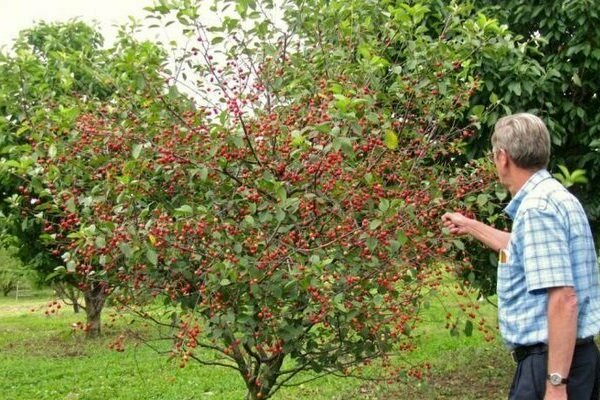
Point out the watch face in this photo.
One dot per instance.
(555, 379)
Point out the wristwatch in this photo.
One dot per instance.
(556, 379)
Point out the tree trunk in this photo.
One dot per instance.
(6, 289)
(73, 295)
(68, 293)
(94, 302)
(267, 376)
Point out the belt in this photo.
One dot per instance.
(520, 353)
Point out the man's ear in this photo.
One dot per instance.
(503, 158)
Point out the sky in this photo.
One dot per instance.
(16, 15)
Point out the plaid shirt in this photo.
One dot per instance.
(551, 245)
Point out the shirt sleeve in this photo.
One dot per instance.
(546, 258)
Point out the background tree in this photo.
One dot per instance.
(47, 66)
(549, 69)
(563, 37)
(55, 74)
(12, 272)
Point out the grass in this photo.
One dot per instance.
(41, 358)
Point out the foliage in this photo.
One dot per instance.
(563, 37)
(569, 179)
(38, 81)
(549, 68)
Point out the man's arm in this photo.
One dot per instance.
(562, 334)
(458, 224)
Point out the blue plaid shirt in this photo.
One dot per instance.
(550, 245)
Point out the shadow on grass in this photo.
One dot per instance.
(464, 374)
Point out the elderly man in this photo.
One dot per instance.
(548, 285)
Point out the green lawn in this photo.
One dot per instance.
(41, 358)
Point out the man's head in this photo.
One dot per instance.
(525, 139)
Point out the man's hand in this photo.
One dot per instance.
(456, 223)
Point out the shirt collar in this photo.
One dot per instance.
(512, 207)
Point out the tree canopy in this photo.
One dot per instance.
(55, 74)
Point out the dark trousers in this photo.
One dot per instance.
(529, 382)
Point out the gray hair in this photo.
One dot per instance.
(525, 138)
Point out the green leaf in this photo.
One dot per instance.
(482, 199)
(58, 271)
(279, 215)
(298, 138)
(281, 193)
(342, 102)
(344, 143)
(100, 242)
(501, 193)
(70, 205)
(579, 176)
(185, 209)
(338, 301)
(372, 243)
(12, 163)
(136, 151)
(395, 246)
(324, 127)
(289, 332)
(459, 244)
(384, 205)
(152, 256)
(391, 139)
(52, 151)
(401, 238)
(564, 170)
(126, 250)
(477, 111)
(237, 248)
(374, 224)
(203, 173)
(471, 277)
(494, 98)
(515, 87)
(378, 299)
